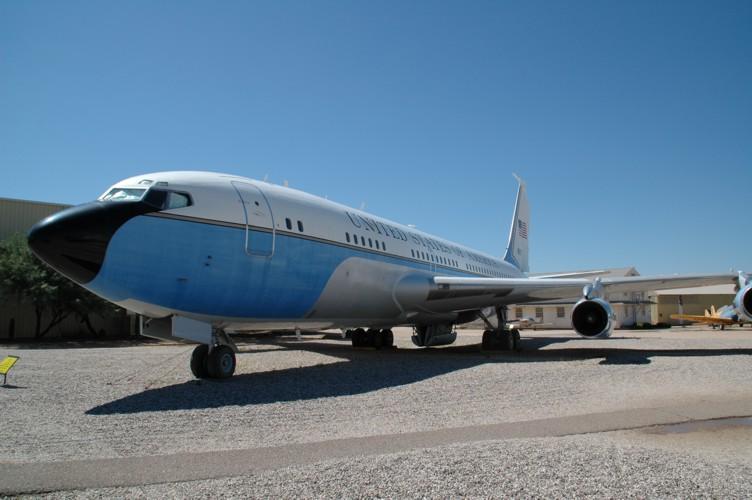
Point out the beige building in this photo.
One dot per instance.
(689, 301)
(18, 321)
(17, 216)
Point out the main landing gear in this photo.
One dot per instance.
(215, 361)
(371, 338)
(500, 338)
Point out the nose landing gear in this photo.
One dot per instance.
(217, 362)
(216, 359)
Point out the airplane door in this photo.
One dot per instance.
(260, 234)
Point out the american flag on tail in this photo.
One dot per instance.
(522, 228)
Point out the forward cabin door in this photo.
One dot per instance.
(260, 235)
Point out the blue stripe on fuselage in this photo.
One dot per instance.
(204, 269)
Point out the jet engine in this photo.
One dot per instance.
(743, 303)
(434, 335)
(593, 318)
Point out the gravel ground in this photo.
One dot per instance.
(135, 401)
(65, 404)
(598, 466)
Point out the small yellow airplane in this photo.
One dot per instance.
(725, 316)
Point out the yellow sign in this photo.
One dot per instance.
(6, 365)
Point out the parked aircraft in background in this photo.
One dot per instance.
(723, 317)
(526, 323)
(202, 255)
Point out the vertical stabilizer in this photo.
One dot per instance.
(517, 247)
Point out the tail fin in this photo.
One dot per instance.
(517, 247)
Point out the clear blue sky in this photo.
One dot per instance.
(630, 121)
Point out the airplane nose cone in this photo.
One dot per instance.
(74, 241)
(71, 242)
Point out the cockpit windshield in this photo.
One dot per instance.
(123, 194)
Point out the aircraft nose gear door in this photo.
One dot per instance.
(260, 235)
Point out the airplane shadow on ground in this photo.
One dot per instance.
(363, 371)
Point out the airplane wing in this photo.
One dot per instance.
(710, 320)
(577, 274)
(494, 291)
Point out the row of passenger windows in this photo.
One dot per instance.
(288, 223)
(417, 254)
(483, 270)
(438, 259)
(371, 243)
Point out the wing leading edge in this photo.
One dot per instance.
(520, 290)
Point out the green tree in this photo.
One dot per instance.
(24, 278)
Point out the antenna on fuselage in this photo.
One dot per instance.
(266, 177)
(363, 205)
(286, 183)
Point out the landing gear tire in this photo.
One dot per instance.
(504, 340)
(388, 338)
(221, 362)
(199, 359)
(514, 340)
(372, 337)
(358, 337)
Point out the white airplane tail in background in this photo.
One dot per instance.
(517, 247)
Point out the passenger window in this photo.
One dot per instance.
(383, 246)
(347, 237)
(288, 223)
(370, 243)
(363, 240)
(300, 226)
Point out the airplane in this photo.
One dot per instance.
(202, 255)
(723, 317)
(526, 323)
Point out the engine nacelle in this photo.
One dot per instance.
(593, 318)
(743, 303)
(433, 335)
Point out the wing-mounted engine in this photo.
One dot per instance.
(593, 317)
(743, 299)
(434, 335)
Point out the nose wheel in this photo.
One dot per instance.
(218, 362)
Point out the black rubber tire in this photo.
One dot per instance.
(517, 341)
(358, 337)
(509, 341)
(221, 362)
(373, 338)
(388, 338)
(199, 358)
(486, 342)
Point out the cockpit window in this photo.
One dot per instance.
(123, 194)
(167, 200)
(177, 200)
